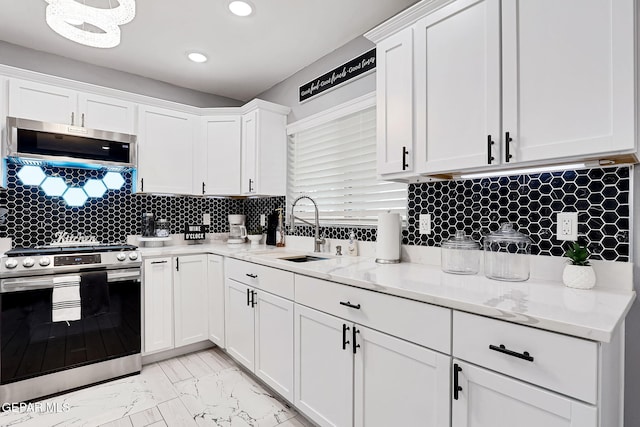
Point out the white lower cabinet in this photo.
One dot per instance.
(158, 305)
(190, 299)
(488, 399)
(215, 280)
(259, 332)
(347, 374)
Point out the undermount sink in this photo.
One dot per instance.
(302, 258)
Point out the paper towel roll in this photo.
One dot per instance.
(389, 238)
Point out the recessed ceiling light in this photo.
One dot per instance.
(240, 8)
(197, 57)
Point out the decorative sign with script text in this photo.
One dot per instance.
(357, 67)
(194, 232)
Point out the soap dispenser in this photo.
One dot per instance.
(280, 230)
(352, 247)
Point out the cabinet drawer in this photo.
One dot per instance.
(561, 363)
(278, 282)
(421, 323)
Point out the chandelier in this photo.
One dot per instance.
(88, 25)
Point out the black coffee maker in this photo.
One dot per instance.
(272, 225)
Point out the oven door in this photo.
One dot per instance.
(31, 344)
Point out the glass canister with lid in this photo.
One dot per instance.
(506, 254)
(460, 255)
(162, 228)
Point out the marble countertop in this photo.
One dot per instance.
(592, 314)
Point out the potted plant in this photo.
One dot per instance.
(255, 235)
(578, 273)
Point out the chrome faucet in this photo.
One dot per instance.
(318, 241)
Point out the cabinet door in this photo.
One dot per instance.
(488, 399)
(165, 151)
(274, 342)
(190, 299)
(323, 367)
(239, 322)
(215, 280)
(37, 101)
(249, 149)
(222, 139)
(458, 86)
(105, 113)
(158, 305)
(568, 79)
(412, 381)
(394, 79)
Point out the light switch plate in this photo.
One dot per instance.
(206, 219)
(567, 226)
(425, 223)
(263, 220)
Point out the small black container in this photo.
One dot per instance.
(272, 225)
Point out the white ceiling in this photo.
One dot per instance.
(246, 55)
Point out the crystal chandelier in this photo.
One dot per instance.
(88, 25)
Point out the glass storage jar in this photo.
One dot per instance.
(506, 254)
(460, 255)
(162, 228)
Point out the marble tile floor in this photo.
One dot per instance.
(206, 388)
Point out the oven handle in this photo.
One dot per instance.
(45, 282)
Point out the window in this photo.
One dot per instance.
(332, 159)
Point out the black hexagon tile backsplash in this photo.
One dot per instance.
(531, 202)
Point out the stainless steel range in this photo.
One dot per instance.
(70, 316)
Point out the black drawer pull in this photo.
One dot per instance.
(405, 153)
(502, 349)
(159, 262)
(248, 296)
(253, 276)
(507, 147)
(456, 387)
(490, 158)
(348, 304)
(355, 345)
(345, 328)
(253, 298)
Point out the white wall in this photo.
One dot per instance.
(46, 63)
(286, 92)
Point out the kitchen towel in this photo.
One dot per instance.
(65, 299)
(94, 293)
(388, 238)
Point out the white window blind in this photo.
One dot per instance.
(334, 163)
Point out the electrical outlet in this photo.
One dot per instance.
(425, 223)
(567, 226)
(206, 219)
(263, 220)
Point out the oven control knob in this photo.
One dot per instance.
(11, 263)
(28, 262)
(44, 261)
(133, 256)
(121, 256)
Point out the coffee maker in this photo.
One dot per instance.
(237, 230)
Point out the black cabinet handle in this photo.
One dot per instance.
(177, 264)
(355, 345)
(72, 118)
(82, 122)
(253, 298)
(456, 387)
(159, 262)
(348, 304)
(507, 153)
(502, 349)
(345, 328)
(248, 297)
(142, 184)
(253, 276)
(405, 153)
(250, 185)
(203, 187)
(490, 158)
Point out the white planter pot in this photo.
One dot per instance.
(579, 276)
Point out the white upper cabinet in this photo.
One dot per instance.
(165, 150)
(458, 86)
(220, 151)
(496, 83)
(568, 77)
(264, 152)
(47, 103)
(395, 142)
